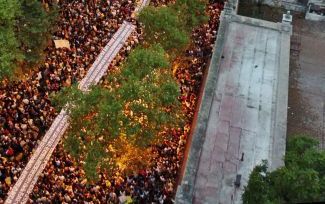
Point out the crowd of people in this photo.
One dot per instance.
(26, 111)
(192, 67)
(64, 181)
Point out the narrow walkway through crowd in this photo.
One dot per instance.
(141, 5)
(25, 184)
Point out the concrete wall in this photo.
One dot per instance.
(292, 5)
(314, 17)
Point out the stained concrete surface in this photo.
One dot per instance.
(242, 119)
(306, 113)
(241, 115)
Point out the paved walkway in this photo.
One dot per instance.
(109, 52)
(242, 117)
(20, 192)
(142, 4)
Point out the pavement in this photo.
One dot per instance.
(100, 66)
(141, 5)
(242, 118)
(306, 113)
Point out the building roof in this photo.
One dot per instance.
(242, 117)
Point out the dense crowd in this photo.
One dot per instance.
(64, 181)
(192, 67)
(25, 110)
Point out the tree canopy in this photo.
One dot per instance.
(141, 102)
(302, 179)
(24, 26)
(114, 127)
(171, 26)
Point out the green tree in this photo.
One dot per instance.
(258, 189)
(9, 50)
(141, 103)
(300, 180)
(192, 12)
(33, 29)
(143, 61)
(9, 45)
(9, 10)
(293, 184)
(163, 25)
(24, 27)
(171, 26)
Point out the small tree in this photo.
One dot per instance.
(300, 180)
(192, 12)
(163, 25)
(9, 45)
(23, 33)
(140, 104)
(33, 29)
(258, 189)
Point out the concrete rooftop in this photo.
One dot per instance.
(243, 113)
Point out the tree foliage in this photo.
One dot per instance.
(139, 103)
(302, 178)
(9, 10)
(9, 50)
(164, 26)
(33, 29)
(171, 26)
(143, 61)
(192, 12)
(24, 26)
(142, 101)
